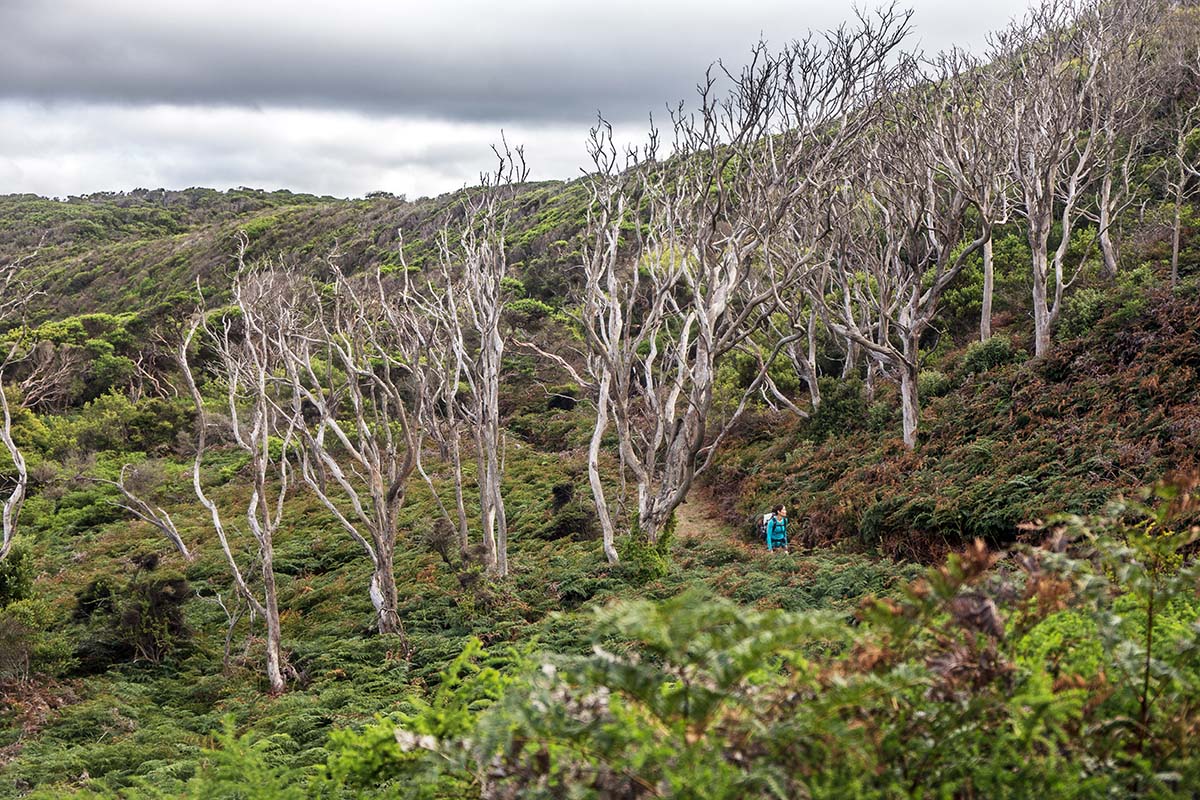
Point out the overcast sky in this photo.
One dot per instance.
(362, 95)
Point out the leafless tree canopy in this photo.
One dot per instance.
(347, 368)
(674, 275)
(460, 319)
(249, 344)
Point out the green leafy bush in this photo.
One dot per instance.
(1063, 671)
(576, 519)
(1083, 310)
(16, 576)
(993, 352)
(528, 311)
(933, 383)
(843, 408)
(880, 416)
(141, 621)
(36, 639)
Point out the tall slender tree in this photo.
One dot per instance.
(464, 303)
(247, 344)
(347, 368)
(15, 349)
(1049, 73)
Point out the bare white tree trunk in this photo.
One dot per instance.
(248, 352)
(1108, 249)
(1176, 231)
(140, 508)
(1041, 306)
(15, 294)
(607, 532)
(16, 494)
(900, 217)
(465, 345)
(910, 404)
(1179, 73)
(1122, 94)
(989, 288)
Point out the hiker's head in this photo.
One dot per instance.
(779, 510)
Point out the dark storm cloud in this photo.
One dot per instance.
(536, 60)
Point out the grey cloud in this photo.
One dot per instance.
(72, 149)
(405, 97)
(536, 60)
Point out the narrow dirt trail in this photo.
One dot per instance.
(698, 518)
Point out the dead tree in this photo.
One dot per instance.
(15, 294)
(437, 379)
(674, 243)
(133, 500)
(348, 367)
(973, 145)
(465, 301)
(48, 374)
(902, 228)
(248, 353)
(1122, 93)
(1178, 73)
(1050, 70)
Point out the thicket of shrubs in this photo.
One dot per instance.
(1005, 440)
(1065, 670)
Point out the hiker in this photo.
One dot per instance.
(776, 526)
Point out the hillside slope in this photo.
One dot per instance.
(1006, 440)
(132, 250)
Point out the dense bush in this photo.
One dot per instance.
(575, 519)
(32, 631)
(112, 422)
(993, 352)
(933, 383)
(843, 407)
(989, 678)
(1083, 310)
(16, 576)
(140, 621)
(1068, 670)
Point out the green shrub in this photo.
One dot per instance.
(1137, 280)
(880, 416)
(933, 383)
(243, 768)
(1064, 643)
(37, 630)
(642, 561)
(16, 576)
(142, 621)
(576, 520)
(528, 312)
(1062, 674)
(843, 408)
(1083, 310)
(993, 352)
(112, 422)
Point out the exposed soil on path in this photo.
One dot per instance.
(698, 518)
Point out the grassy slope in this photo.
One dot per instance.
(102, 252)
(1111, 409)
(143, 722)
